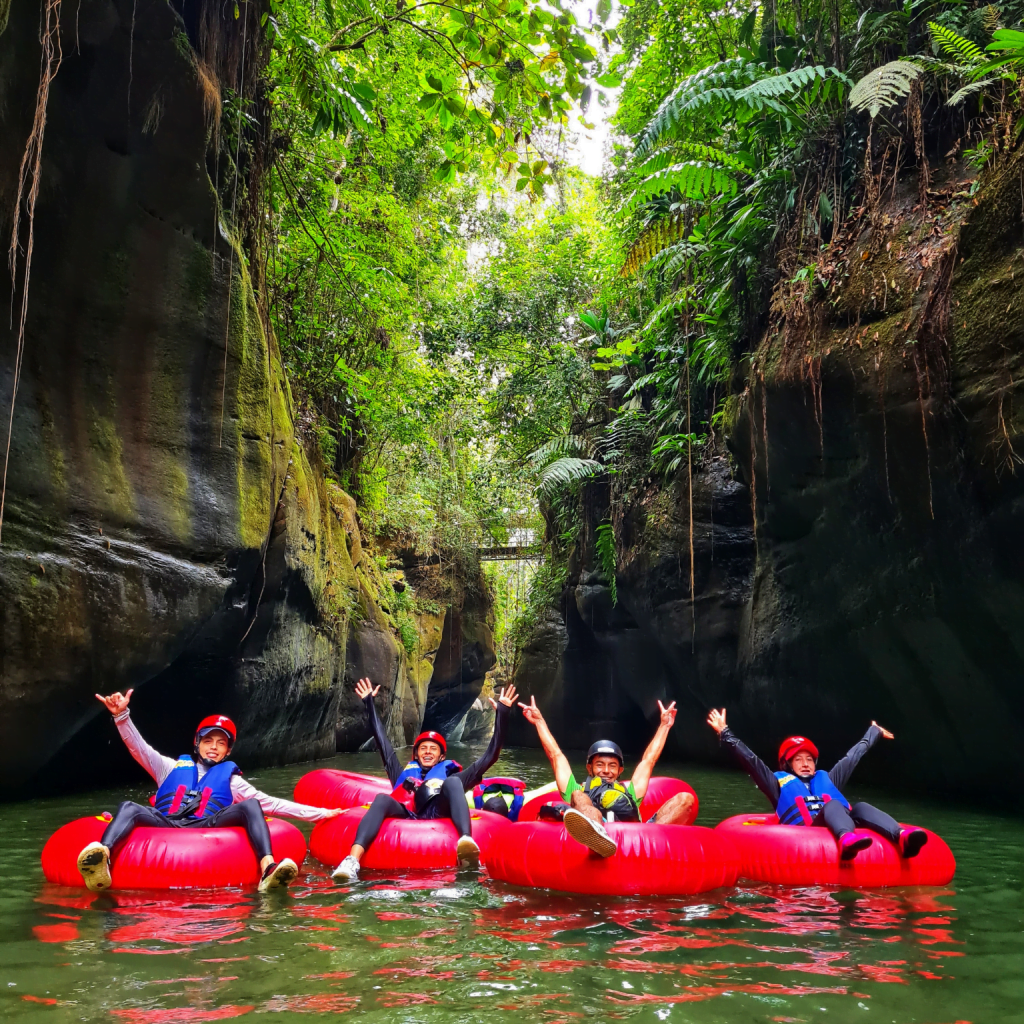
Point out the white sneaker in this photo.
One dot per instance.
(94, 864)
(347, 870)
(278, 875)
(590, 833)
(467, 853)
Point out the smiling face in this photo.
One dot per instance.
(215, 746)
(802, 764)
(605, 767)
(428, 753)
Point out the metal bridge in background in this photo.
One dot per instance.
(510, 553)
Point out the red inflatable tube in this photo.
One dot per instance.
(328, 787)
(169, 858)
(405, 844)
(659, 790)
(800, 855)
(652, 860)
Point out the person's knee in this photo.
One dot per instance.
(453, 785)
(250, 808)
(582, 803)
(861, 808)
(128, 807)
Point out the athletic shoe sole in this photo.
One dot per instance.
(585, 831)
(284, 874)
(467, 853)
(94, 864)
(850, 850)
(913, 843)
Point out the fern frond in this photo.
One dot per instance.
(884, 87)
(968, 90)
(565, 472)
(651, 241)
(664, 158)
(604, 549)
(561, 445)
(693, 179)
(715, 84)
(963, 51)
(763, 91)
(673, 258)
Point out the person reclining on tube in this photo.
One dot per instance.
(428, 787)
(803, 794)
(204, 790)
(602, 795)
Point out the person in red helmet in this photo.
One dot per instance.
(203, 790)
(804, 795)
(429, 786)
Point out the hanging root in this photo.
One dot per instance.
(28, 192)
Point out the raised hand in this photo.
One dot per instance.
(885, 732)
(507, 696)
(717, 720)
(364, 689)
(116, 702)
(531, 712)
(668, 714)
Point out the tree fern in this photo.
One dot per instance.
(884, 87)
(767, 91)
(564, 444)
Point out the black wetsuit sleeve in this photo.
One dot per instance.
(387, 752)
(756, 768)
(841, 772)
(471, 776)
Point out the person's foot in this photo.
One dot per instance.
(851, 844)
(911, 841)
(590, 833)
(278, 875)
(347, 870)
(467, 853)
(94, 864)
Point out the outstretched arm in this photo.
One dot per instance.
(843, 769)
(158, 765)
(559, 764)
(642, 775)
(471, 776)
(242, 790)
(762, 775)
(366, 691)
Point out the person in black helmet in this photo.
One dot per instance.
(602, 796)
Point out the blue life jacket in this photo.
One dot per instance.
(800, 802)
(510, 790)
(180, 796)
(415, 787)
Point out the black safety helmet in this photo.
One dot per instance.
(607, 747)
(496, 805)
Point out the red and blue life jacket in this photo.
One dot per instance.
(800, 802)
(180, 795)
(413, 778)
(511, 790)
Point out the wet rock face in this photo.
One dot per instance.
(149, 539)
(886, 578)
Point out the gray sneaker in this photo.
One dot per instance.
(347, 870)
(590, 833)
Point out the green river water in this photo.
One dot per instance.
(459, 947)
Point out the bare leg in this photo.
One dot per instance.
(582, 803)
(680, 809)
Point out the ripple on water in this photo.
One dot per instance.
(440, 946)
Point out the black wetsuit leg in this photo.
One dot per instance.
(245, 814)
(836, 818)
(450, 803)
(878, 821)
(130, 816)
(383, 807)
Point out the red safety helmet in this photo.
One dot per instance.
(221, 722)
(792, 746)
(430, 735)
